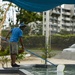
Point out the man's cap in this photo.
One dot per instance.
(22, 25)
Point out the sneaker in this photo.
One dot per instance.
(15, 65)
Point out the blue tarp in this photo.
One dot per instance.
(40, 5)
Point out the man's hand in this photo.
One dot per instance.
(21, 50)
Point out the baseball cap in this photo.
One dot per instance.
(22, 25)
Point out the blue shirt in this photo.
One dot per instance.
(16, 34)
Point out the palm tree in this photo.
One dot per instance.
(3, 19)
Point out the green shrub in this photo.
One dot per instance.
(34, 41)
(62, 41)
(5, 52)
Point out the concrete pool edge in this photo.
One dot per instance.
(14, 71)
(23, 69)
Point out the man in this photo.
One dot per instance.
(16, 36)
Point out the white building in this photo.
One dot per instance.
(59, 18)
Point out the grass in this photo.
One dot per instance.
(40, 51)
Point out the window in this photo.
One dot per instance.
(44, 13)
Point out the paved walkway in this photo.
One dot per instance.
(35, 60)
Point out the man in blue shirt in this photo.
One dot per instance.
(16, 36)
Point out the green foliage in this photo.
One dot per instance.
(1, 13)
(5, 52)
(4, 60)
(27, 16)
(4, 32)
(47, 53)
(34, 41)
(44, 54)
(20, 57)
(38, 41)
(62, 41)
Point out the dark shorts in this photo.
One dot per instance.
(13, 48)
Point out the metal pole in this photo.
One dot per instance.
(47, 33)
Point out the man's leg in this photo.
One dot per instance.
(13, 58)
(14, 52)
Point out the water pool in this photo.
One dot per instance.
(51, 70)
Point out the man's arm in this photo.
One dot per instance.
(21, 42)
(8, 34)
